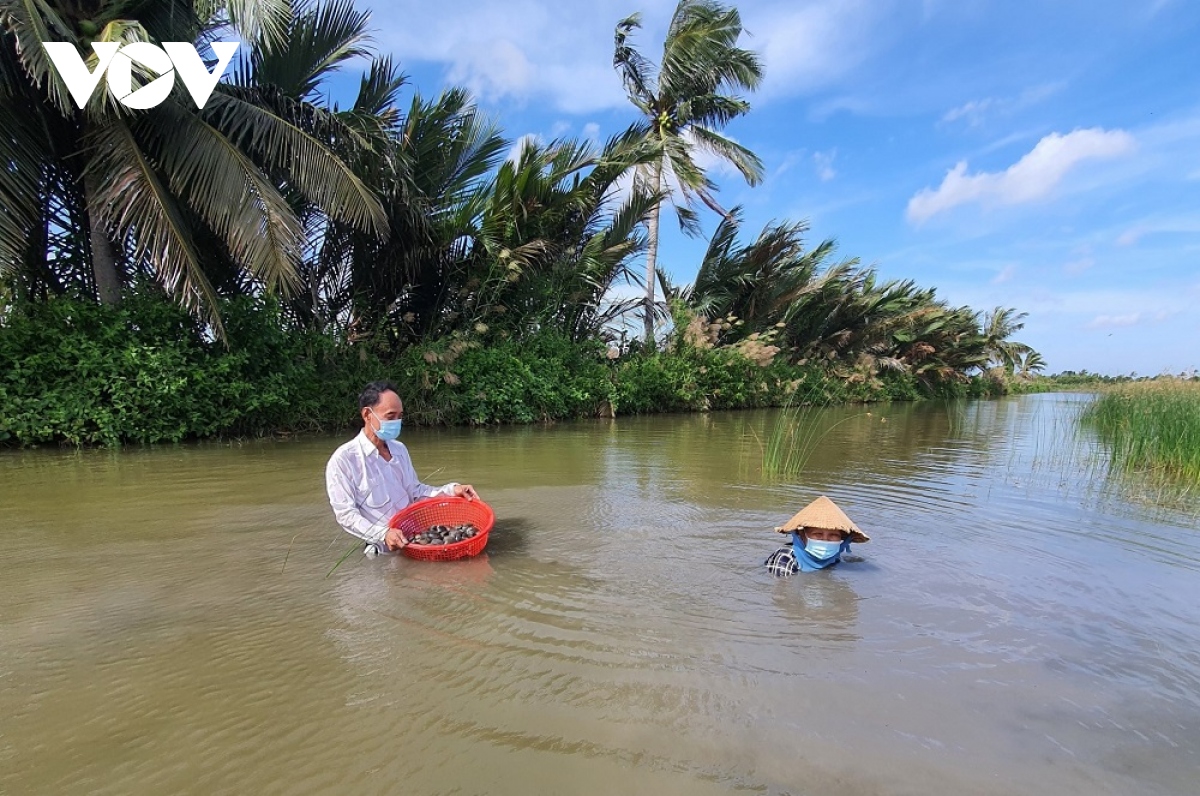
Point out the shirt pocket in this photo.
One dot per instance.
(375, 497)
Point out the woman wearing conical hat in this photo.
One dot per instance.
(821, 533)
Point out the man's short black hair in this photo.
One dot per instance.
(373, 392)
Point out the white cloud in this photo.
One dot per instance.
(1077, 267)
(1035, 94)
(524, 50)
(1083, 301)
(591, 131)
(852, 105)
(824, 164)
(790, 161)
(1130, 237)
(972, 111)
(975, 112)
(519, 50)
(1006, 274)
(1162, 225)
(805, 46)
(1114, 321)
(1033, 177)
(493, 69)
(1130, 319)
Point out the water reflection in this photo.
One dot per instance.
(817, 606)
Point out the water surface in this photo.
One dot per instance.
(1014, 626)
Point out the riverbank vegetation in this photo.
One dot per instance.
(245, 267)
(1151, 426)
(145, 371)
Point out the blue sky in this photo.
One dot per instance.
(1038, 155)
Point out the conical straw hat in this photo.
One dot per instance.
(824, 513)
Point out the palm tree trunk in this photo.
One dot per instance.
(652, 256)
(104, 266)
(104, 257)
(41, 276)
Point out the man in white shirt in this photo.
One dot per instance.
(371, 477)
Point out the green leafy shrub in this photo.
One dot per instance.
(144, 371)
(464, 381)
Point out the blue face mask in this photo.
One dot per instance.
(388, 429)
(822, 550)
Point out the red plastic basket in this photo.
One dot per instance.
(424, 514)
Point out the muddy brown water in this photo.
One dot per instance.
(1016, 625)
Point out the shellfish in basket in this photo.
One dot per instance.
(445, 534)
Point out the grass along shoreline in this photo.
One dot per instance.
(1151, 426)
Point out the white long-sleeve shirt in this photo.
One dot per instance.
(365, 490)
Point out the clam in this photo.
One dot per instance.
(436, 535)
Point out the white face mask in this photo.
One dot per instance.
(822, 550)
(388, 429)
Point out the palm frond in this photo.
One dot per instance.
(263, 22)
(319, 39)
(379, 89)
(207, 171)
(134, 202)
(637, 73)
(24, 155)
(29, 23)
(745, 161)
(310, 165)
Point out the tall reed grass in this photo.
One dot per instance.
(799, 428)
(1151, 426)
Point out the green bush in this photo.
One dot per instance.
(145, 371)
(90, 374)
(463, 381)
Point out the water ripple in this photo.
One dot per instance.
(1010, 628)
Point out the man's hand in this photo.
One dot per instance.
(467, 491)
(394, 539)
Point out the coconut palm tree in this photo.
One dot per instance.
(1029, 363)
(320, 39)
(372, 287)
(998, 326)
(550, 240)
(835, 313)
(766, 284)
(944, 344)
(480, 244)
(556, 239)
(685, 100)
(180, 193)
